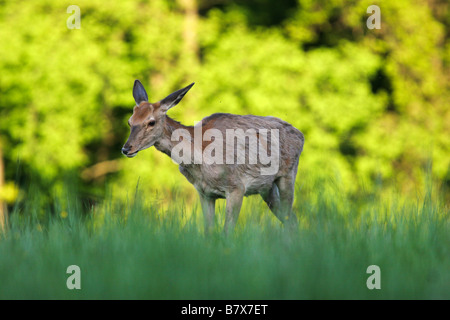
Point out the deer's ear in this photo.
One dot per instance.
(172, 99)
(139, 93)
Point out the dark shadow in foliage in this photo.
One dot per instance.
(258, 12)
(382, 82)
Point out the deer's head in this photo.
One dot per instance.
(148, 119)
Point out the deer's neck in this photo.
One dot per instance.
(165, 144)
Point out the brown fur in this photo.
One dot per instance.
(142, 112)
(217, 180)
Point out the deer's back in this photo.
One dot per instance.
(290, 138)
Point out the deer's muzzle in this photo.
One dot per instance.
(126, 152)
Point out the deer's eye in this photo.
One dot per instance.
(151, 123)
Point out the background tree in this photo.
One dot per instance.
(373, 104)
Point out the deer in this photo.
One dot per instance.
(232, 179)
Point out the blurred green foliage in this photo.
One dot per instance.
(373, 104)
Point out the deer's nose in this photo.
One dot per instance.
(125, 150)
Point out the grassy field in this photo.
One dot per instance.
(138, 250)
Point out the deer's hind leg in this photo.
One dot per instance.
(272, 199)
(280, 199)
(286, 187)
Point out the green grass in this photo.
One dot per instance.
(137, 250)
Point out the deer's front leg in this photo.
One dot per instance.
(233, 207)
(209, 209)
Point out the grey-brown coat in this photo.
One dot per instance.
(215, 176)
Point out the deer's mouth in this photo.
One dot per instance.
(131, 155)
